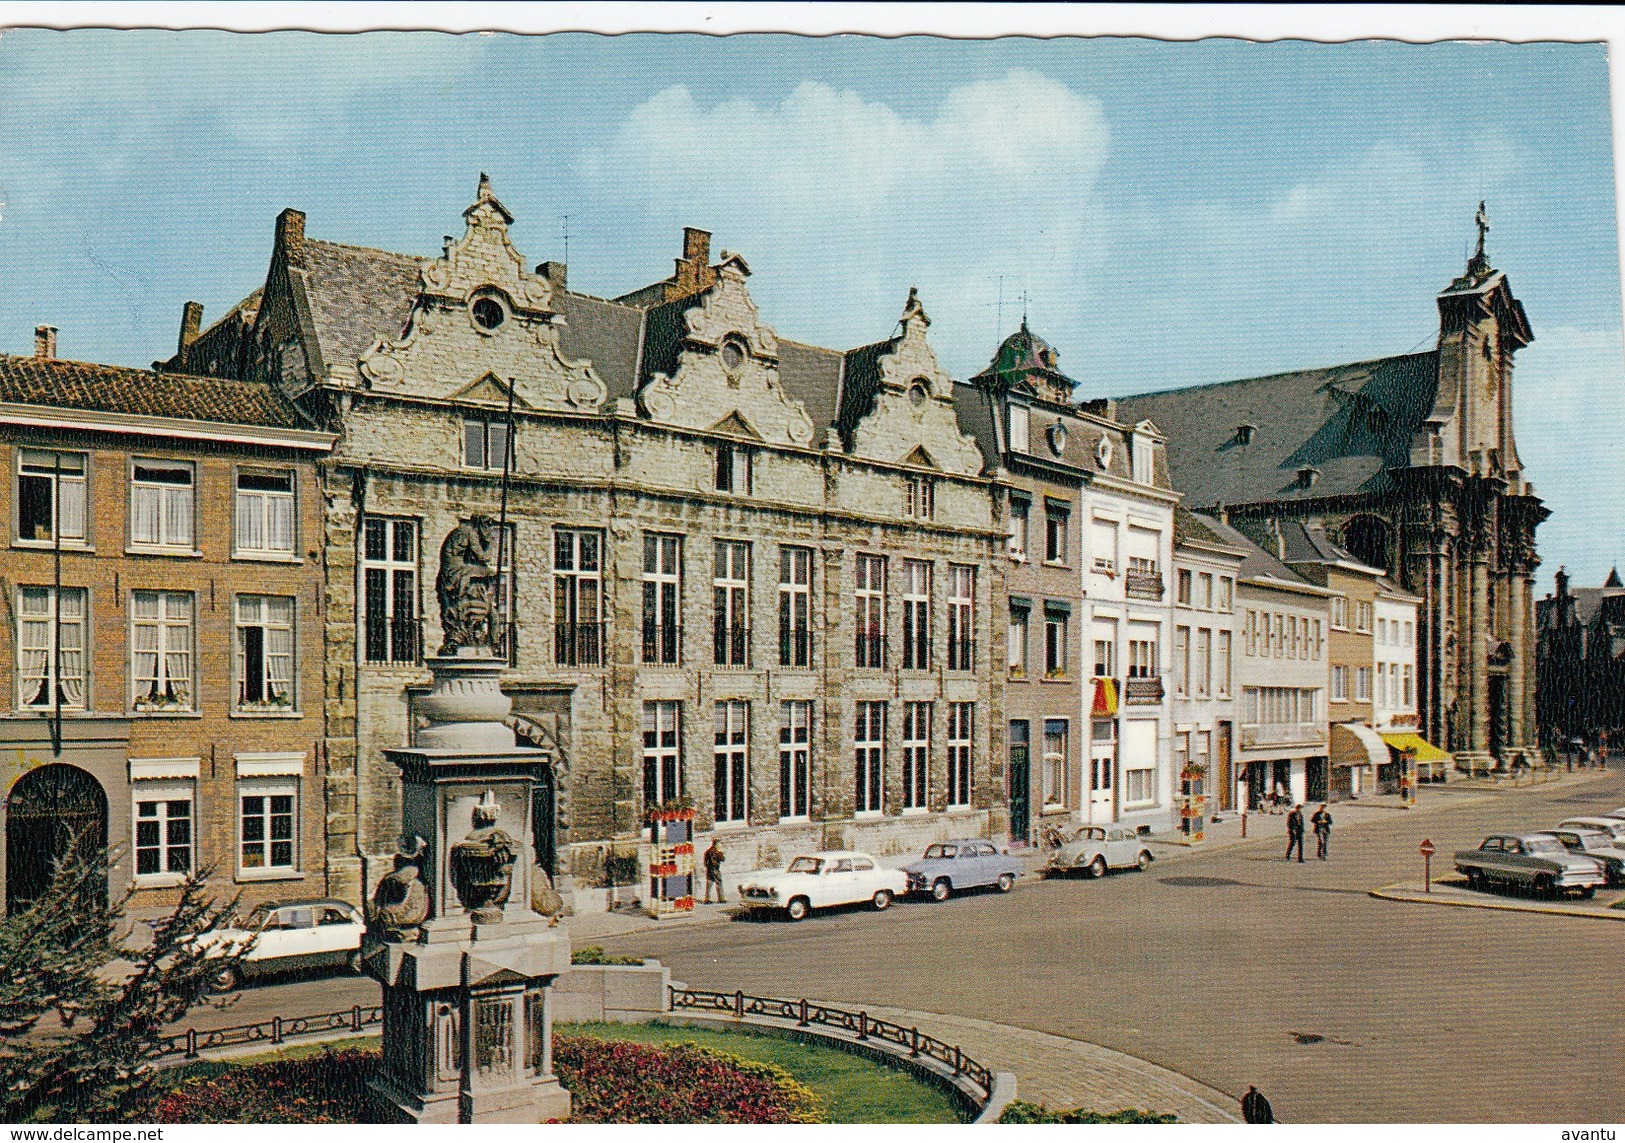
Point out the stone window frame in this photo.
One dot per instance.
(869, 611)
(795, 595)
(959, 740)
(731, 602)
(396, 650)
(731, 764)
(869, 758)
(917, 716)
(918, 653)
(795, 739)
(662, 755)
(961, 617)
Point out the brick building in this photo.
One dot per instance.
(163, 645)
(754, 573)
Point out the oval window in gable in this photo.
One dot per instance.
(488, 313)
(734, 353)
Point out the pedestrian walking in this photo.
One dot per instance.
(713, 859)
(1322, 821)
(1255, 1108)
(1294, 832)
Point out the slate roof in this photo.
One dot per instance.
(356, 294)
(812, 375)
(59, 384)
(1351, 422)
(1190, 528)
(1257, 562)
(604, 333)
(975, 414)
(1309, 544)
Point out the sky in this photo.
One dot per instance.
(1164, 213)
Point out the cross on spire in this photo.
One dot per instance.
(1482, 221)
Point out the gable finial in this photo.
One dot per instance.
(485, 186)
(913, 309)
(1482, 221)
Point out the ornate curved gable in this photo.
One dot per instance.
(481, 318)
(911, 419)
(726, 371)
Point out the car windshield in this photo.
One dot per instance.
(1543, 845)
(806, 865)
(942, 851)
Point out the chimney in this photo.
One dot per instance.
(556, 274)
(696, 245)
(45, 343)
(191, 322)
(290, 233)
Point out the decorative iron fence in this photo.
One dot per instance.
(862, 1027)
(277, 1030)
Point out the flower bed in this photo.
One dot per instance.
(610, 1081)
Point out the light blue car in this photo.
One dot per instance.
(950, 866)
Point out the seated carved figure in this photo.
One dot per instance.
(482, 864)
(400, 904)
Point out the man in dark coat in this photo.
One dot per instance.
(1294, 832)
(1255, 1108)
(712, 859)
(1322, 821)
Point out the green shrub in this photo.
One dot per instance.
(1020, 1111)
(595, 954)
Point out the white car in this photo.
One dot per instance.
(819, 880)
(290, 935)
(1095, 849)
(1607, 823)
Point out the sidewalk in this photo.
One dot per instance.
(1454, 892)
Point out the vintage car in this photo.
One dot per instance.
(1095, 849)
(1597, 844)
(1536, 861)
(949, 866)
(819, 880)
(289, 935)
(1612, 826)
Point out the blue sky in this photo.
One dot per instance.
(1174, 213)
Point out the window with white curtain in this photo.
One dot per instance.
(161, 504)
(264, 524)
(52, 641)
(265, 652)
(51, 484)
(161, 650)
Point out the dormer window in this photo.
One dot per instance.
(1307, 475)
(488, 313)
(919, 498)
(734, 352)
(733, 468)
(918, 390)
(1019, 427)
(1057, 438)
(1244, 432)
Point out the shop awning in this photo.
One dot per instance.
(1356, 744)
(1105, 704)
(1425, 750)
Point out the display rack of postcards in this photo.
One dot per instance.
(1193, 805)
(669, 861)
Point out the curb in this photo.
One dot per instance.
(1415, 896)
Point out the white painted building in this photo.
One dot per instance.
(1394, 671)
(1203, 664)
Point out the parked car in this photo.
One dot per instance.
(821, 879)
(1616, 812)
(1537, 861)
(1095, 849)
(1600, 846)
(1614, 827)
(949, 866)
(289, 935)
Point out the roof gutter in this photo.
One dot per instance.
(130, 424)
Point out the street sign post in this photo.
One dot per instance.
(1426, 850)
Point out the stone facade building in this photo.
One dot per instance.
(1206, 642)
(163, 647)
(1409, 463)
(1582, 662)
(1089, 512)
(745, 571)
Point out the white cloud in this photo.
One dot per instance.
(842, 202)
(1569, 408)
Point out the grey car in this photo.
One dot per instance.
(1599, 845)
(1536, 861)
(1095, 849)
(971, 863)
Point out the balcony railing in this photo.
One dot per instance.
(1142, 691)
(1281, 734)
(661, 642)
(1143, 585)
(393, 639)
(870, 650)
(795, 646)
(731, 645)
(579, 644)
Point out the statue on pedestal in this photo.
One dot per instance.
(467, 585)
(400, 904)
(482, 864)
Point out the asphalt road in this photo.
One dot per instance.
(1226, 966)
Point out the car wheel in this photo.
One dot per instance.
(1097, 867)
(1587, 892)
(797, 908)
(882, 898)
(224, 978)
(941, 890)
(1143, 861)
(1006, 882)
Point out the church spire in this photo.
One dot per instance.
(1480, 262)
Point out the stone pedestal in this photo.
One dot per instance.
(465, 963)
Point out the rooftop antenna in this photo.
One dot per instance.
(566, 225)
(998, 332)
(1025, 298)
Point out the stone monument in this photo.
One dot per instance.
(465, 963)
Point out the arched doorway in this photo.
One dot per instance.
(47, 809)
